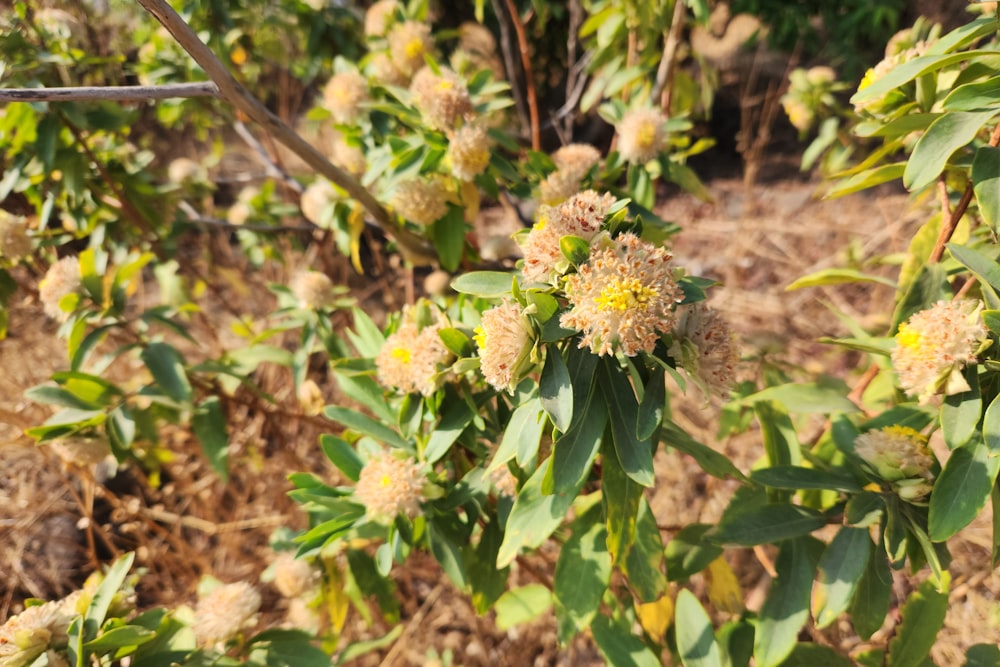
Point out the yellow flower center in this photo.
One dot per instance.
(906, 432)
(403, 354)
(444, 85)
(385, 481)
(645, 135)
(622, 295)
(414, 48)
(480, 337)
(907, 337)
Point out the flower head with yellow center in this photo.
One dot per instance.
(581, 215)
(314, 290)
(389, 486)
(935, 344)
(343, 96)
(443, 99)
(642, 135)
(706, 347)
(61, 280)
(412, 359)
(24, 637)
(379, 17)
(469, 152)
(421, 201)
(409, 41)
(224, 612)
(623, 297)
(900, 456)
(505, 340)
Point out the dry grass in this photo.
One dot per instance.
(193, 524)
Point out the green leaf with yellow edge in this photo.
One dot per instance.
(696, 643)
(520, 605)
(655, 617)
(973, 96)
(986, 183)
(634, 455)
(866, 179)
(622, 496)
(786, 608)
(837, 277)
(962, 489)
(582, 573)
(643, 565)
(872, 595)
(619, 646)
(922, 619)
(534, 516)
(840, 569)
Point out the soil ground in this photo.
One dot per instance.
(55, 524)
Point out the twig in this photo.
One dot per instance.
(509, 66)
(663, 88)
(272, 170)
(414, 248)
(529, 77)
(573, 74)
(116, 93)
(194, 218)
(412, 626)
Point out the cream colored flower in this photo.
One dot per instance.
(292, 576)
(557, 187)
(316, 201)
(421, 201)
(186, 171)
(411, 360)
(581, 215)
(224, 612)
(27, 635)
(476, 50)
(714, 356)
(409, 42)
(505, 341)
(899, 455)
(642, 135)
(935, 344)
(382, 70)
(389, 486)
(623, 296)
(821, 75)
(302, 616)
(313, 289)
(242, 210)
(81, 451)
(344, 95)
(891, 61)
(469, 152)
(310, 398)
(576, 159)
(15, 243)
(348, 157)
(379, 17)
(61, 280)
(442, 99)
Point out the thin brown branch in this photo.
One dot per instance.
(115, 93)
(529, 77)
(949, 224)
(663, 88)
(413, 247)
(272, 169)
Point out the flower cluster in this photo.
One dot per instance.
(505, 340)
(26, 636)
(293, 576)
(442, 99)
(899, 455)
(624, 296)
(469, 152)
(811, 94)
(903, 47)
(421, 200)
(224, 612)
(314, 290)
(61, 280)
(642, 135)
(316, 201)
(379, 17)
(409, 41)
(344, 95)
(935, 344)
(389, 487)
(573, 161)
(582, 215)
(412, 359)
(714, 353)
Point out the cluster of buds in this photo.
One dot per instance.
(811, 95)
(899, 456)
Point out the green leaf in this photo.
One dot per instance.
(761, 524)
(696, 643)
(986, 184)
(555, 390)
(445, 544)
(840, 569)
(867, 179)
(166, 365)
(837, 277)
(619, 646)
(982, 655)
(522, 436)
(455, 419)
(120, 637)
(797, 477)
(711, 461)
(287, 648)
(342, 455)
(962, 489)
(973, 96)
(575, 249)
(448, 234)
(689, 552)
(928, 287)
(984, 267)
(50, 395)
(574, 451)
(486, 284)
(960, 412)
(908, 71)
(97, 611)
(787, 606)
(644, 562)
(652, 405)
(209, 424)
(621, 496)
(366, 426)
(806, 398)
(634, 455)
(995, 503)
(487, 581)
(582, 574)
(944, 136)
(520, 605)
(864, 509)
(872, 596)
(781, 444)
(457, 342)
(534, 516)
(922, 618)
(815, 655)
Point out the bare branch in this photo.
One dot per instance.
(413, 247)
(665, 72)
(116, 93)
(273, 170)
(529, 76)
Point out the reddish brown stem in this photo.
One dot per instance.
(529, 77)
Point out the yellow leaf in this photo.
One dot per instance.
(470, 200)
(723, 588)
(656, 617)
(356, 225)
(337, 601)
